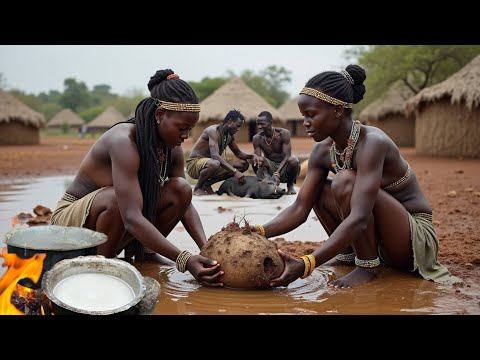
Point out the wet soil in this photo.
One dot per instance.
(451, 185)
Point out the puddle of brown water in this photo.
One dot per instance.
(391, 293)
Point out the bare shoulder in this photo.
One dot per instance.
(320, 155)
(121, 137)
(374, 137)
(283, 132)
(211, 131)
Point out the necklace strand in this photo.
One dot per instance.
(162, 160)
(271, 139)
(346, 155)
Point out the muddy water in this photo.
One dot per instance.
(392, 293)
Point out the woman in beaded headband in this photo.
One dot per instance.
(372, 208)
(132, 187)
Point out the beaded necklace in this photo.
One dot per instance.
(346, 155)
(163, 153)
(271, 139)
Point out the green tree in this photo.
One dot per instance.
(269, 83)
(30, 100)
(91, 113)
(205, 87)
(75, 95)
(417, 66)
(277, 78)
(101, 94)
(53, 96)
(50, 109)
(124, 104)
(65, 127)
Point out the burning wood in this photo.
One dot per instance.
(30, 301)
(18, 269)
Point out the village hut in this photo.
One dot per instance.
(388, 114)
(235, 94)
(294, 119)
(105, 120)
(19, 125)
(66, 116)
(448, 115)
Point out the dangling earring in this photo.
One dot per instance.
(158, 122)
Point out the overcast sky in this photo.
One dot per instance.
(37, 68)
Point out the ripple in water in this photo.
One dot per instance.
(182, 294)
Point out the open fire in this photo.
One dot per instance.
(13, 296)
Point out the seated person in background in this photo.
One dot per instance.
(277, 160)
(206, 162)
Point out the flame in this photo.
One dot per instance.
(18, 269)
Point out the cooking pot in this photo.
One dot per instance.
(119, 269)
(58, 242)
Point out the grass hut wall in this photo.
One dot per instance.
(66, 116)
(235, 94)
(294, 119)
(448, 115)
(388, 114)
(19, 125)
(105, 120)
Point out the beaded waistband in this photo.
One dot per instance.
(69, 198)
(423, 215)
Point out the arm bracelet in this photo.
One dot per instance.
(182, 260)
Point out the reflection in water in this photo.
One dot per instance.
(182, 294)
(392, 293)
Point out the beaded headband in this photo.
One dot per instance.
(348, 77)
(327, 98)
(177, 106)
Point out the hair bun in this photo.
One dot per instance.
(160, 75)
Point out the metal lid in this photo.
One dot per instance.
(54, 237)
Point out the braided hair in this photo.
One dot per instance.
(223, 138)
(338, 86)
(148, 142)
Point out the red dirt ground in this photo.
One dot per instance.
(452, 186)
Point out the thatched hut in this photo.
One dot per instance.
(19, 125)
(105, 120)
(66, 116)
(388, 114)
(234, 94)
(448, 115)
(294, 119)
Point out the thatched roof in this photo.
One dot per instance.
(289, 110)
(13, 109)
(391, 103)
(109, 117)
(66, 116)
(235, 94)
(461, 87)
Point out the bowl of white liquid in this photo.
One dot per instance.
(93, 285)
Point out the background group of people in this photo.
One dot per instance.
(272, 156)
